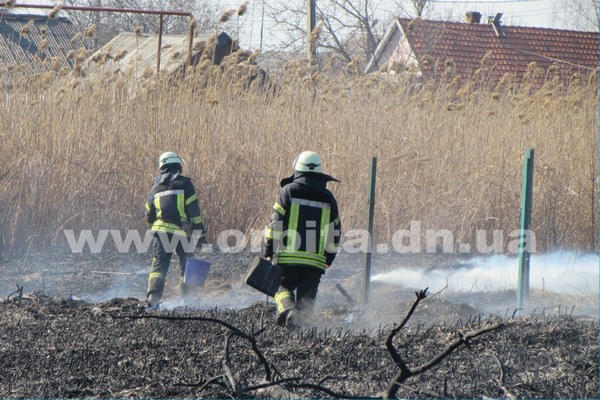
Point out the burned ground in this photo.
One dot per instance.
(52, 344)
(66, 348)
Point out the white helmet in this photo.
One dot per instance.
(308, 161)
(169, 158)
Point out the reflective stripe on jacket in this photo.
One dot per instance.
(305, 227)
(172, 203)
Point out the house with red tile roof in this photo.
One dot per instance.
(432, 48)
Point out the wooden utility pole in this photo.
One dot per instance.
(311, 22)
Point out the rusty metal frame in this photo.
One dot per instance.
(102, 9)
(160, 13)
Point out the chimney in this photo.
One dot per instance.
(473, 17)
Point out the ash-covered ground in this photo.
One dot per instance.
(76, 349)
(63, 337)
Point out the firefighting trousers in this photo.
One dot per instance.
(302, 279)
(160, 265)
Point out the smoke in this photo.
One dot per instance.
(134, 285)
(129, 284)
(235, 298)
(561, 272)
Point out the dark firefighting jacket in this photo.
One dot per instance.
(305, 226)
(173, 203)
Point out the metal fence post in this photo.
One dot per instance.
(160, 35)
(524, 256)
(371, 214)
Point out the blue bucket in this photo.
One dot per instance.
(196, 272)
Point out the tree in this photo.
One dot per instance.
(577, 14)
(347, 28)
(417, 7)
(108, 25)
(350, 29)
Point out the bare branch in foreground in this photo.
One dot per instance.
(406, 372)
(289, 384)
(389, 342)
(500, 380)
(235, 388)
(233, 329)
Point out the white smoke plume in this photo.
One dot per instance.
(561, 272)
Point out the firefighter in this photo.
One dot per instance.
(303, 236)
(173, 213)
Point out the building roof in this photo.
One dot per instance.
(136, 53)
(23, 50)
(511, 51)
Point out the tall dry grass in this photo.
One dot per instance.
(80, 154)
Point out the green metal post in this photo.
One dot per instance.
(371, 213)
(526, 203)
(598, 144)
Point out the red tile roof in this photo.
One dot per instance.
(467, 44)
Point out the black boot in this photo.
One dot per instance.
(282, 318)
(292, 320)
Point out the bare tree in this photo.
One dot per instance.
(577, 14)
(350, 29)
(418, 6)
(108, 25)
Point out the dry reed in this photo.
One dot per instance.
(243, 8)
(90, 31)
(84, 154)
(55, 11)
(227, 15)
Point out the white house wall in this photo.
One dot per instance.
(402, 54)
(394, 48)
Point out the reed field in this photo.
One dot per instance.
(82, 153)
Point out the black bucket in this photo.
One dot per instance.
(264, 276)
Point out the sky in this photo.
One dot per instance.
(538, 13)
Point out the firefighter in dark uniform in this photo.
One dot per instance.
(172, 211)
(303, 236)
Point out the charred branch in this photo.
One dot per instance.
(405, 371)
(500, 379)
(233, 329)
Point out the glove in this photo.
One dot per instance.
(267, 251)
(267, 255)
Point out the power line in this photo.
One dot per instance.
(533, 14)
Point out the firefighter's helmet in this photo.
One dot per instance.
(308, 161)
(169, 158)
